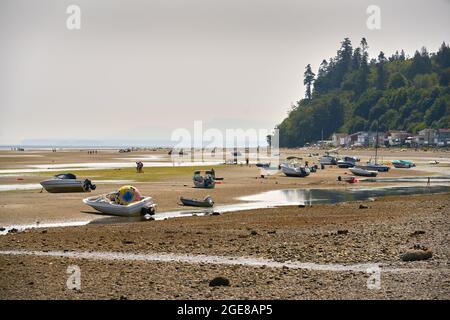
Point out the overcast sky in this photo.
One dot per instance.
(139, 69)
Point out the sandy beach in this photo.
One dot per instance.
(318, 251)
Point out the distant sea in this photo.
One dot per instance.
(47, 147)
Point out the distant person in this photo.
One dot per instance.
(213, 173)
(139, 166)
(247, 161)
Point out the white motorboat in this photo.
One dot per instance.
(103, 204)
(67, 182)
(293, 168)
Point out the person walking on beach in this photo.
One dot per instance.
(139, 166)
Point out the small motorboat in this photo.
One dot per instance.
(204, 179)
(358, 171)
(328, 160)
(346, 162)
(348, 179)
(293, 168)
(207, 202)
(263, 165)
(127, 201)
(373, 166)
(403, 164)
(67, 182)
(104, 205)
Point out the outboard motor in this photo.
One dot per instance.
(88, 185)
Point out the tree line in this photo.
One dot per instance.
(352, 93)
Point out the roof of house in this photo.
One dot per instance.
(340, 134)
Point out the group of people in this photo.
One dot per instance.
(92, 152)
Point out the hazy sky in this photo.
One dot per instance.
(139, 69)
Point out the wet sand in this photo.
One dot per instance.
(378, 234)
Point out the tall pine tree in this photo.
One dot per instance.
(308, 80)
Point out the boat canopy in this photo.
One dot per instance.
(65, 176)
(294, 158)
(199, 172)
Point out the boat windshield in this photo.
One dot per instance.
(65, 176)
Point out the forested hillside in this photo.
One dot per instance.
(351, 91)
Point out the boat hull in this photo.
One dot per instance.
(64, 186)
(363, 172)
(100, 204)
(290, 171)
(205, 203)
(345, 164)
(375, 167)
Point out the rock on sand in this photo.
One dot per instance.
(416, 255)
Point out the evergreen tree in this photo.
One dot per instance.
(382, 74)
(364, 68)
(308, 80)
(421, 63)
(356, 59)
(402, 56)
(443, 56)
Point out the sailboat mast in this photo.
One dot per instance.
(376, 145)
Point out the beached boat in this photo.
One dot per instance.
(293, 168)
(350, 179)
(207, 202)
(328, 160)
(67, 182)
(263, 165)
(204, 179)
(347, 162)
(358, 171)
(103, 204)
(403, 163)
(373, 166)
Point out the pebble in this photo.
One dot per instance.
(219, 281)
(344, 231)
(363, 206)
